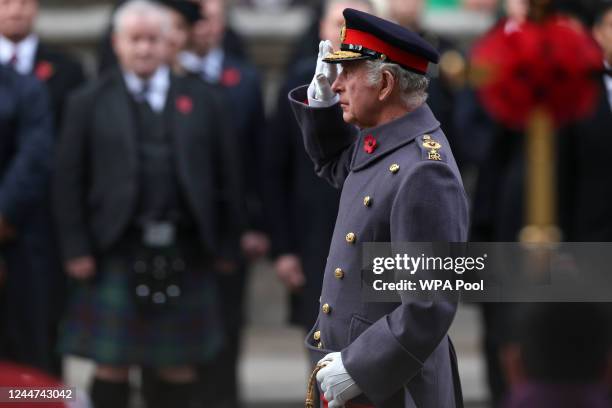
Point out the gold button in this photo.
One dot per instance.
(394, 168)
(339, 273)
(317, 335)
(367, 201)
(320, 345)
(350, 237)
(326, 308)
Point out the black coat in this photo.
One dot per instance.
(586, 201)
(61, 74)
(241, 85)
(25, 145)
(96, 183)
(301, 208)
(28, 299)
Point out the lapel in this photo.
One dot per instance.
(44, 65)
(180, 113)
(393, 135)
(121, 113)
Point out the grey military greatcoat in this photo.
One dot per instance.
(398, 353)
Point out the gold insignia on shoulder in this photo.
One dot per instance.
(343, 33)
(433, 147)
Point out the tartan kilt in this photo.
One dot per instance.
(104, 323)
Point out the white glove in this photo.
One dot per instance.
(320, 94)
(337, 385)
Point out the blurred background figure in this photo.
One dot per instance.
(26, 53)
(496, 152)
(585, 219)
(231, 41)
(21, 48)
(183, 15)
(147, 199)
(301, 207)
(560, 356)
(212, 62)
(27, 303)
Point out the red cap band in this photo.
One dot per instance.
(367, 40)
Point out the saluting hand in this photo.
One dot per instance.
(320, 93)
(81, 268)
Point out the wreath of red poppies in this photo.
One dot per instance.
(552, 65)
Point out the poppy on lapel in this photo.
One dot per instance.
(44, 70)
(369, 144)
(184, 104)
(231, 77)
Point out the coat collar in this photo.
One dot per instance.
(393, 135)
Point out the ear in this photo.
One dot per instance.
(387, 84)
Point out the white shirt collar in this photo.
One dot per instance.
(608, 82)
(159, 83)
(210, 66)
(25, 52)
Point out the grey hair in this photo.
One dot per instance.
(413, 86)
(142, 8)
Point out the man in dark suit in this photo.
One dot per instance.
(22, 48)
(25, 158)
(147, 199)
(301, 208)
(241, 86)
(583, 218)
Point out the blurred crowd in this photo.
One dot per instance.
(132, 204)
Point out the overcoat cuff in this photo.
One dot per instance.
(325, 132)
(378, 363)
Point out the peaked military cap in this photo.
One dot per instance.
(189, 9)
(365, 36)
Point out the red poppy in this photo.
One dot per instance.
(44, 70)
(184, 104)
(369, 144)
(230, 77)
(550, 65)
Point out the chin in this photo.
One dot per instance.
(348, 118)
(145, 71)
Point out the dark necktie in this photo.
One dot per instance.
(13, 61)
(141, 96)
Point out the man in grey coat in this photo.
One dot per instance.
(371, 134)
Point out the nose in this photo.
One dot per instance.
(337, 85)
